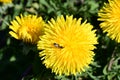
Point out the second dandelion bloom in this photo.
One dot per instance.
(27, 28)
(67, 45)
(109, 14)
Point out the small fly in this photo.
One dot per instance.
(57, 45)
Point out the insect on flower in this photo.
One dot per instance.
(57, 45)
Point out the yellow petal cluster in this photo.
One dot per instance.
(6, 1)
(27, 28)
(67, 45)
(109, 14)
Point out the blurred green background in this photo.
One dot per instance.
(20, 61)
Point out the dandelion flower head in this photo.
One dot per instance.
(67, 45)
(109, 14)
(27, 28)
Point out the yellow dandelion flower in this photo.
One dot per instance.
(110, 17)
(67, 45)
(6, 1)
(27, 28)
